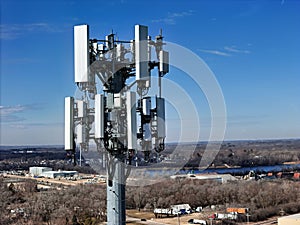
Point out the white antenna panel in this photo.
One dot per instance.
(141, 52)
(81, 107)
(147, 106)
(131, 120)
(81, 53)
(117, 100)
(81, 134)
(119, 52)
(164, 62)
(99, 116)
(69, 129)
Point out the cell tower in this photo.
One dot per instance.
(121, 121)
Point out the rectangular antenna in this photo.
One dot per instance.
(99, 116)
(147, 106)
(69, 127)
(141, 53)
(81, 134)
(160, 112)
(164, 62)
(147, 132)
(131, 120)
(120, 52)
(82, 108)
(81, 53)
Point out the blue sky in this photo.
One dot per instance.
(252, 47)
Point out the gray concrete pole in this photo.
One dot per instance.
(116, 211)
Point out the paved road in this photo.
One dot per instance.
(271, 221)
(132, 219)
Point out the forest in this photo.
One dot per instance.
(22, 203)
(231, 153)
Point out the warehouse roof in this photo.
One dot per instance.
(294, 216)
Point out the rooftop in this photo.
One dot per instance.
(294, 216)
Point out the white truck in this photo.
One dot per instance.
(221, 216)
(196, 221)
(168, 212)
(173, 210)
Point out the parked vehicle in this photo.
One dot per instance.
(199, 209)
(161, 211)
(173, 210)
(221, 216)
(196, 221)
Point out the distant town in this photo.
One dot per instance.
(249, 182)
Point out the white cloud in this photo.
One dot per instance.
(214, 52)
(171, 18)
(6, 110)
(235, 50)
(228, 51)
(18, 126)
(10, 114)
(14, 31)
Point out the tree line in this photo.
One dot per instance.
(86, 204)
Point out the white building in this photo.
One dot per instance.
(59, 174)
(47, 172)
(289, 220)
(222, 178)
(38, 170)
